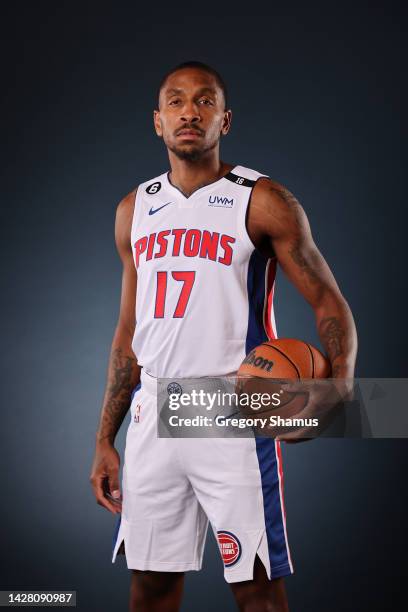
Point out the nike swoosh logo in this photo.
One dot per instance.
(151, 211)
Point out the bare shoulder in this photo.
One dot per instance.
(126, 206)
(275, 208)
(273, 195)
(123, 222)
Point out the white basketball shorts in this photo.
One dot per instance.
(172, 488)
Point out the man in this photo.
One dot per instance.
(199, 247)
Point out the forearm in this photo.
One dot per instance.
(337, 332)
(123, 375)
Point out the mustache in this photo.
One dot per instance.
(193, 128)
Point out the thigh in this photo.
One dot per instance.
(260, 592)
(239, 484)
(151, 591)
(162, 526)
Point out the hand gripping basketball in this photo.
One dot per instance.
(271, 367)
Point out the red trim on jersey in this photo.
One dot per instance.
(280, 468)
(270, 285)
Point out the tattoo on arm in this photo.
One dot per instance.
(300, 260)
(335, 371)
(286, 196)
(332, 335)
(336, 332)
(295, 250)
(120, 386)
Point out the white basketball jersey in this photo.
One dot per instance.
(204, 293)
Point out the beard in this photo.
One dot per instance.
(191, 153)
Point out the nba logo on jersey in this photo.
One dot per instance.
(136, 416)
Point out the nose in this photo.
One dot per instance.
(190, 113)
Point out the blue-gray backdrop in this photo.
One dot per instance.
(319, 102)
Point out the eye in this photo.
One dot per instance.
(205, 101)
(174, 102)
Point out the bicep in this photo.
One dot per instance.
(305, 266)
(296, 251)
(127, 315)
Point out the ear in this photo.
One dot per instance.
(157, 123)
(226, 123)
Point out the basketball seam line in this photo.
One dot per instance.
(284, 354)
(313, 362)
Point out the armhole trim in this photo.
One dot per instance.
(239, 180)
(245, 221)
(135, 209)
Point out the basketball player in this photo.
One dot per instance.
(199, 246)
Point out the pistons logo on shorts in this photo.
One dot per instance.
(230, 547)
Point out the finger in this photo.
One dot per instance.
(113, 484)
(116, 502)
(105, 503)
(297, 435)
(299, 384)
(292, 440)
(292, 386)
(98, 487)
(297, 441)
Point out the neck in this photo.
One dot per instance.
(191, 175)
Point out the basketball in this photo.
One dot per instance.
(285, 358)
(281, 359)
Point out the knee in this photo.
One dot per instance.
(154, 584)
(260, 602)
(155, 589)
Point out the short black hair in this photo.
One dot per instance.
(200, 66)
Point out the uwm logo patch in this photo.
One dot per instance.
(221, 201)
(230, 547)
